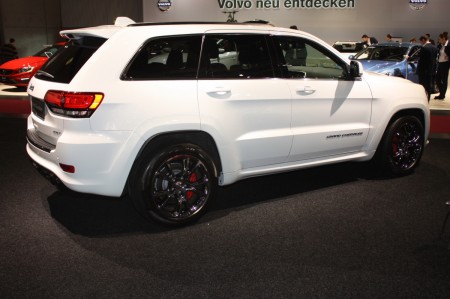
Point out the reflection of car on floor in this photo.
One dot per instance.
(18, 72)
(348, 48)
(392, 59)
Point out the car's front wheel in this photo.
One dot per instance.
(402, 146)
(173, 185)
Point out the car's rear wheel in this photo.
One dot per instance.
(173, 185)
(402, 146)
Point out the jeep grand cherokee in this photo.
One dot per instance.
(151, 110)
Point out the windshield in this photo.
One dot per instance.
(386, 53)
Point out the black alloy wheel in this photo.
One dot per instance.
(173, 186)
(402, 145)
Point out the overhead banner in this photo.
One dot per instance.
(286, 4)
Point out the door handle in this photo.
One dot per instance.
(307, 90)
(219, 92)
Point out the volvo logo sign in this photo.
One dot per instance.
(164, 5)
(418, 4)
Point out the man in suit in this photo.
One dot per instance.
(443, 66)
(427, 65)
(367, 41)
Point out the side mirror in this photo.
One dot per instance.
(356, 69)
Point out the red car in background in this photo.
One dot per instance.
(18, 72)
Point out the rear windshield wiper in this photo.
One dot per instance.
(40, 72)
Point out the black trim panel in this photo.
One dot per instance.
(34, 139)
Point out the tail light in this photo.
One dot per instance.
(73, 104)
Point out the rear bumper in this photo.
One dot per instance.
(97, 159)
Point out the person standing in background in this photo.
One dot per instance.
(430, 39)
(367, 41)
(427, 65)
(8, 51)
(443, 66)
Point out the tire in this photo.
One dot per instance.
(401, 147)
(173, 185)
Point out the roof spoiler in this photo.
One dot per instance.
(123, 21)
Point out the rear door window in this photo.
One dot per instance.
(167, 58)
(239, 56)
(65, 64)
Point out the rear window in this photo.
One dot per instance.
(66, 63)
(166, 58)
(48, 51)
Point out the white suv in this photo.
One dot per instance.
(109, 117)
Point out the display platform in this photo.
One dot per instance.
(14, 101)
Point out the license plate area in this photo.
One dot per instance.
(38, 107)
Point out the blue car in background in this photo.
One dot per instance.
(392, 59)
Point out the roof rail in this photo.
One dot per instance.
(197, 23)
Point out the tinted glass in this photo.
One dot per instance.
(48, 51)
(65, 64)
(414, 53)
(166, 58)
(386, 53)
(302, 58)
(236, 56)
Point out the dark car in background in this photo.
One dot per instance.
(18, 72)
(392, 59)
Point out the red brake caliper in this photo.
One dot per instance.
(395, 142)
(192, 179)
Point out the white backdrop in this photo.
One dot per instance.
(372, 17)
(35, 23)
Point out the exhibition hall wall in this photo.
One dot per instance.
(34, 23)
(372, 17)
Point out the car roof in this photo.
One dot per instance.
(255, 22)
(107, 31)
(180, 28)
